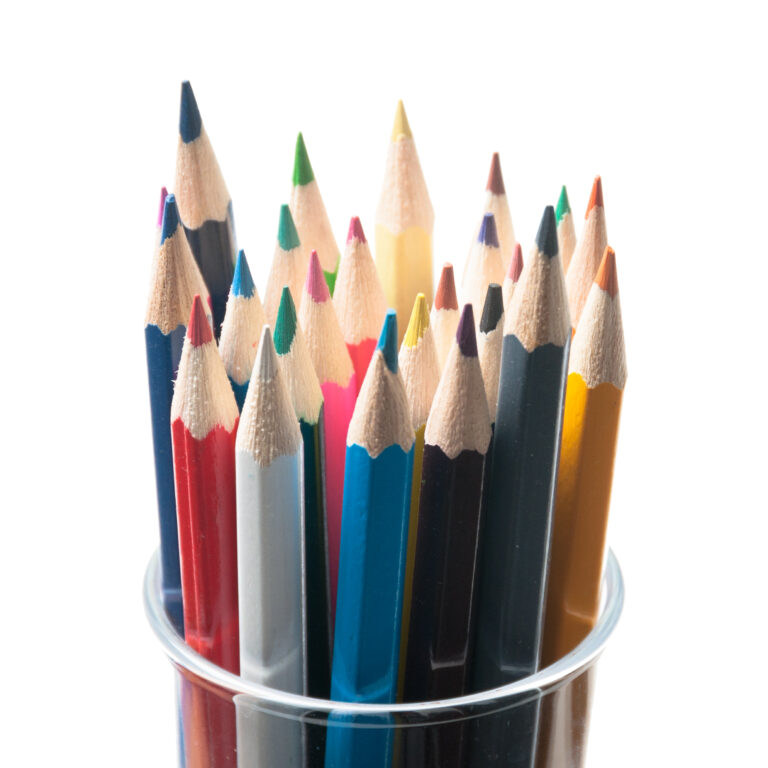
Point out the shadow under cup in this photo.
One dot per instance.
(539, 721)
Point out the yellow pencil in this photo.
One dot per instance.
(596, 380)
(421, 374)
(404, 220)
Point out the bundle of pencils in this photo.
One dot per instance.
(374, 526)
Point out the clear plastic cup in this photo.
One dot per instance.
(539, 721)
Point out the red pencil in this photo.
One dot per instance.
(204, 419)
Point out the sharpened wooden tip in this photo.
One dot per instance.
(445, 296)
(316, 285)
(356, 230)
(401, 127)
(285, 325)
(199, 330)
(606, 276)
(161, 210)
(493, 308)
(266, 357)
(418, 323)
(190, 122)
(546, 237)
(302, 168)
(516, 264)
(388, 340)
(495, 179)
(465, 333)
(596, 198)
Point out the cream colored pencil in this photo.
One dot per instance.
(566, 231)
(444, 318)
(289, 265)
(496, 203)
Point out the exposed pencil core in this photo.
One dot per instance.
(302, 168)
(596, 198)
(287, 235)
(356, 230)
(190, 123)
(606, 276)
(388, 340)
(242, 281)
(418, 323)
(161, 210)
(445, 296)
(170, 218)
(199, 330)
(316, 286)
(488, 234)
(546, 237)
(401, 127)
(563, 206)
(516, 264)
(285, 326)
(465, 333)
(495, 179)
(493, 308)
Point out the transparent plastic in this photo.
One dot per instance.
(541, 720)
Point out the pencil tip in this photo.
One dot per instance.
(465, 333)
(495, 179)
(445, 295)
(546, 237)
(242, 281)
(161, 209)
(287, 236)
(199, 329)
(266, 357)
(606, 276)
(516, 264)
(170, 218)
(401, 127)
(493, 308)
(316, 285)
(596, 198)
(563, 206)
(190, 123)
(418, 323)
(488, 234)
(285, 325)
(356, 230)
(302, 168)
(388, 340)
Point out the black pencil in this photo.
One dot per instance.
(204, 205)
(516, 533)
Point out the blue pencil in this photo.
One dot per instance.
(241, 329)
(175, 281)
(374, 538)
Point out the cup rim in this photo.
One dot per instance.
(573, 663)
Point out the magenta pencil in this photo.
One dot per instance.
(338, 382)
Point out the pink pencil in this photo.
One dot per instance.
(359, 300)
(338, 382)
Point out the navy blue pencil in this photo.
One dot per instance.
(175, 281)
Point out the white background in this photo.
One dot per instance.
(665, 100)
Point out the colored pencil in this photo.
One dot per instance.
(404, 220)
(307, 398)
(338, 383)
(566, 231)
(241, 329)
(496, 203)
(204, 205)
(597, 374)
(420, 372)
(489, 342)
(377, 494)
(516, 530)
(175, 281)
(204, 419)
(270, 560)
(588, 254)
(513, 275)
(308, 211)
(359, 300)
(289, 265)
(444, 318)
(159, 228)
(483, 266)
(456, 441)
